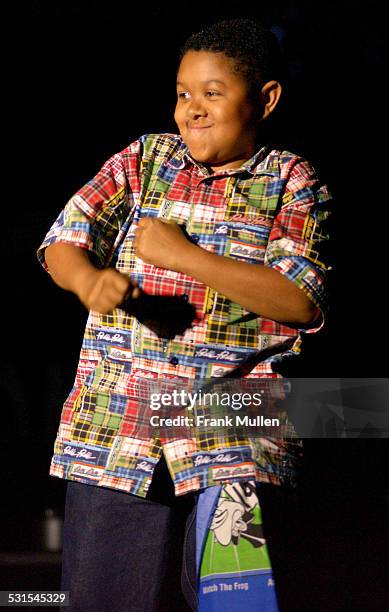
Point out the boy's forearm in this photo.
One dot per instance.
(257, 288)
(99, 290)
(68, 265)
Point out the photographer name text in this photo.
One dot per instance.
(235, 420)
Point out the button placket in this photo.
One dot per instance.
(172, 358)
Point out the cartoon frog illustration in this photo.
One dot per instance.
(234, 515)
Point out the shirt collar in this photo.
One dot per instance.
(262, 162)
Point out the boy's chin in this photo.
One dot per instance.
(201, 156)
(199, 153)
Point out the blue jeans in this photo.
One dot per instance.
(123, 553)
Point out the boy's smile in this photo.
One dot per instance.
(214, 114)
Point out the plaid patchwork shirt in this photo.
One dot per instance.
(270, 211)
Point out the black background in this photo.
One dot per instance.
(83, 79)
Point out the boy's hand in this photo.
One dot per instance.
(161, 243)
(103, 290)
(99, 290)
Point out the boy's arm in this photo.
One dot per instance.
(291, 286)
(79, 246)
(258, 288)
(99, 290)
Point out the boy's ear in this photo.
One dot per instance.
(270, 95)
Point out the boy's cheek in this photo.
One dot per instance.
(178, 117)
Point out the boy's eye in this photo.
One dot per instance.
(185, 95)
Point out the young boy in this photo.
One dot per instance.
(233, 227)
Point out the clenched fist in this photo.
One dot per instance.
(103, 290)
(161, 243)
(99, 290)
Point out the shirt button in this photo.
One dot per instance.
(185, 297)
(195, 238)
(174, 361)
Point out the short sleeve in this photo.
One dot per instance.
(93, 217)
(299, 242)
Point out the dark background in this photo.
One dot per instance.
(82, 80)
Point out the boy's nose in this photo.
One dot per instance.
(196, 109)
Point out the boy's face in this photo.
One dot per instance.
(214, 114)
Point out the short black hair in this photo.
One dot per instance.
(255, 51)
